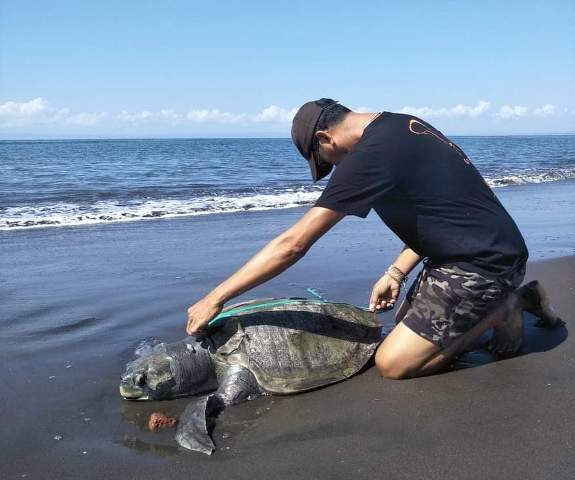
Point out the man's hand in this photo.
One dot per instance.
(200, 313)
(384, 293)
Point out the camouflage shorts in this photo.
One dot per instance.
(447, 301)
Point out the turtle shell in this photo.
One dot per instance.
(292, 345)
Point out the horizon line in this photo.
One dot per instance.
(243, 137)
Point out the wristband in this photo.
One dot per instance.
(397, 275)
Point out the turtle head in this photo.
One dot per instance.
(169, 371)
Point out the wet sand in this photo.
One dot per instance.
(75, 303)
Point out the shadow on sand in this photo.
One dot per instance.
(536, 339)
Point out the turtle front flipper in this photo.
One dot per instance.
(198, 420)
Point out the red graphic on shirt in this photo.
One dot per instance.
(419, 128)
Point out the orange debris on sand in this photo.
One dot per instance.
(159, 421)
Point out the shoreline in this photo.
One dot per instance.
(541, 211)
(559, 189)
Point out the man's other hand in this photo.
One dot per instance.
(200, 313)
(384, 294)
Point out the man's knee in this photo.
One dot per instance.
(403, 353)
(392, 367)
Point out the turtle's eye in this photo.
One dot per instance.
(140, 379)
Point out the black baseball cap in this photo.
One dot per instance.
(302, 133)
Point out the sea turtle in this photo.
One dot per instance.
(269, 346)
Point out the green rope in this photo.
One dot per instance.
(247, 308)
(244, 308)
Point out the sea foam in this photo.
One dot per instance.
(115, 210)
(68, 214)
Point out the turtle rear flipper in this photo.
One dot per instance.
(199, 418)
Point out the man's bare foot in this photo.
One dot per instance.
(534, 299)
(507, 335)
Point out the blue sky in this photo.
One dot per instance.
(185, 68)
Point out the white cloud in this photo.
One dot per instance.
(85, 119)
(458, 110)
(214, 115)
(38, 112)
(137, 117)
(512, 111)
(273, 113)
(545, 110)
(23, 109)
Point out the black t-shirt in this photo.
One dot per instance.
(428, 193)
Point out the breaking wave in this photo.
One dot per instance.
(526, 177)
(122, 210)
(69, 214)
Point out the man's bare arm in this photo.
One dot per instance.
(279, 254)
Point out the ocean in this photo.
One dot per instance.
(59, 183)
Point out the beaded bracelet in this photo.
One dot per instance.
(397, 275)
